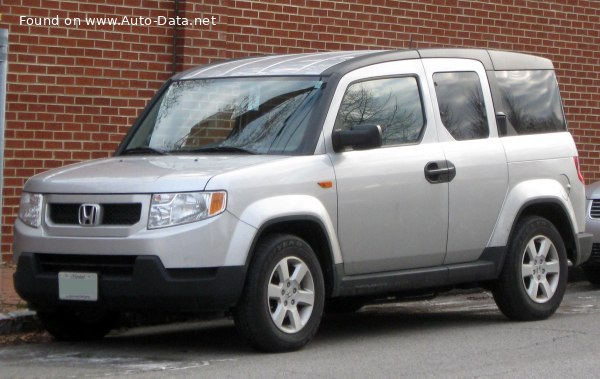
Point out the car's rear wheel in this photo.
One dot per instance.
(282, 303)
(77, 325)
(534, 278)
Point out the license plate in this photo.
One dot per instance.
(80, 286)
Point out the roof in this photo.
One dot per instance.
(326, 63)
(289, 64)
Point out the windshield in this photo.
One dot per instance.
(266, 115)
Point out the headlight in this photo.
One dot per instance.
(30, 209)
(168, 209)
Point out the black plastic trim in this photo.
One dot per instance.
(150, 286)
(487, 268)
(584, 243)
(578, 254)
(327, 269)
(480, 55)
(377, 57)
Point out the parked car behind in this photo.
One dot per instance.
(592, 266)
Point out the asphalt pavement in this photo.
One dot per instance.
(457, 335)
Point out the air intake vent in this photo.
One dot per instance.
(595, 209)
(595, 257)
(112, 214)
(116, 265)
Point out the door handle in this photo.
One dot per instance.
(440, 171)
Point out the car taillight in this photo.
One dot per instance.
(579, 174)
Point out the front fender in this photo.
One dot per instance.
(261, 212)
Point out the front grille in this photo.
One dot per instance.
(121, 214)
(595, 209)
(115, 265)
(64, 213)
(595, 257)
(112, 214)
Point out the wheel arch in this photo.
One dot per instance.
(309, 228)
(554, 211)
(547, 198)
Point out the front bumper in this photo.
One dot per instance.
(129, 284)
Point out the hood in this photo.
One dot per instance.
(592, 191)
(141, 174)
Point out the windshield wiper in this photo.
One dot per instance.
(141, 150)
(219, 149)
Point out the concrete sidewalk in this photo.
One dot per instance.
(14, 315)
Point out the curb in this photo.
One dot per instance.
(19, 321)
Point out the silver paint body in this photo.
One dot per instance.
(380, 215)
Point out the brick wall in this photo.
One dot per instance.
(73, 91)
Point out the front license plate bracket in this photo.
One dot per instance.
(78, 286)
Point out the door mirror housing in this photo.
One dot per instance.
(362, 137)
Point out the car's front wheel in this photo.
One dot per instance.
(282, 303)
(534, 278)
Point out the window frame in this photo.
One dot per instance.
(500, 106)
(383, 77)
(481, 91)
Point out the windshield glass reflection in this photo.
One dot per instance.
(233, 115)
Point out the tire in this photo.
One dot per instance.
(534, 277)
(73, 325)
(282, 302)
(343, 305)
(592, 274)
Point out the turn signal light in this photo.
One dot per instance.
(326, 184)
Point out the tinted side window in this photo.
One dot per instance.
(531, 101)
(461, 103)
(392, 103)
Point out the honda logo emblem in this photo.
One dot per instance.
(89, 214)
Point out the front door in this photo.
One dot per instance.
(392, 201)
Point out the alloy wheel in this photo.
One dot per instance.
(291, 295)
(540, 269)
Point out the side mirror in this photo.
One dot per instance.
(502, 123)
(362, 137)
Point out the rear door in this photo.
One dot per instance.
(465, 116)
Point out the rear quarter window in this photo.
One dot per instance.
(531, 101)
